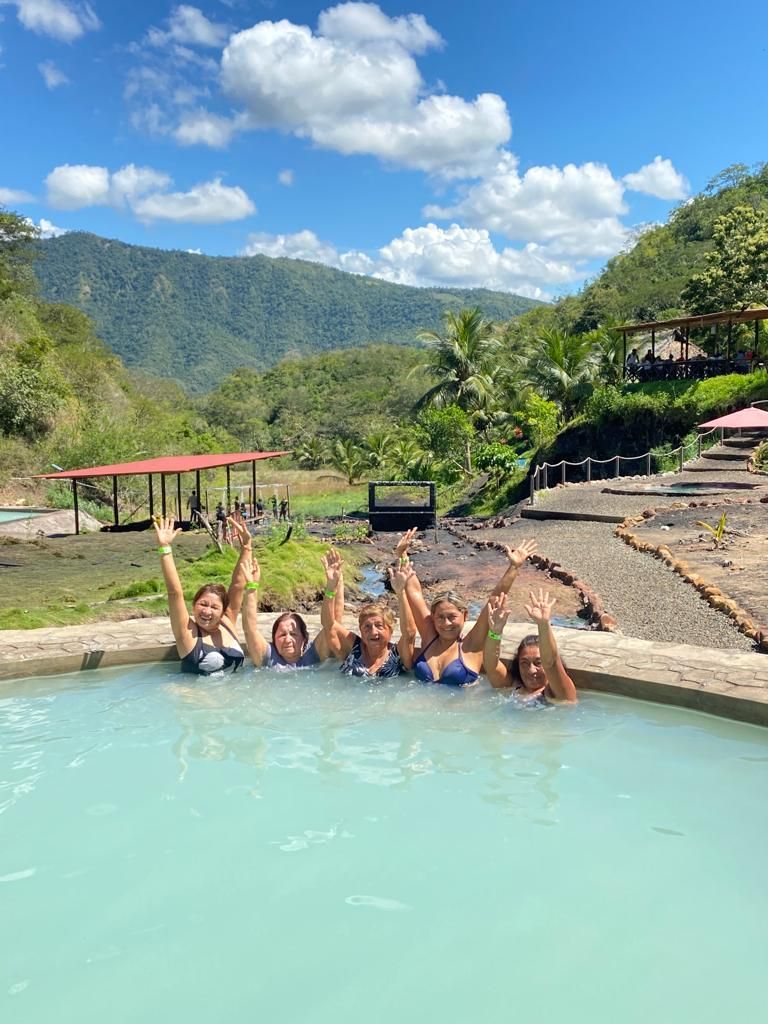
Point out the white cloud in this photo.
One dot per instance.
(201, 126)
(358, 90)
(429, 255)
(188, 25)
(143, 190)
(71, 186)
(58, 18)
(358, 23)
(285, 177)
(52, 75)
(207, 203)
(572, 210)
(658, 178)
(49, 230)
(10, 196)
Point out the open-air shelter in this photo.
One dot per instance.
(163, 466)
(690, 368)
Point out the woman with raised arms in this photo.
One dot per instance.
(370, 653)
(206, 640)
(537, 671)
(446, 655)
(290, 646)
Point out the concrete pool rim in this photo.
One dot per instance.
(727, 683)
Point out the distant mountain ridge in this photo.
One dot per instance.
(197, 318)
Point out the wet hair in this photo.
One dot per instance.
(451, 597)
(532, 640)
(374, 608)
(217, 590)
(299, 622)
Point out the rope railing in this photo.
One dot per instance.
(541, 472)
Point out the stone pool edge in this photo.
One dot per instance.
(729, 684)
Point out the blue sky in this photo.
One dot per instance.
(513, 145)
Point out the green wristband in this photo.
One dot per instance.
(493, 636)
(252, 585)
(330, 593)
(165, 549)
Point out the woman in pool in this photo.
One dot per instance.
(446, 655)
(206, 640)
(370, 653)
(290, 646)
(537, 671)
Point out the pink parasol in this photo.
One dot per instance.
(745, 419)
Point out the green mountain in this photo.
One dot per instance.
(197, 318)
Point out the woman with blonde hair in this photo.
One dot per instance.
(371, 653)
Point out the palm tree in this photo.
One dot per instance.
(376, 449)
(312, 453)
(562, 367)
(462, 359)
(347, 457)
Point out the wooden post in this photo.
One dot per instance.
(288, 499)
(199, 493)
(532, 497)
(114, 500)
(687, 341)
(151, 496)
(178, 495)
(229, 488)
(624, 364)
(562, 472)
(162, 495)
(699, 440)
(681, 459)
(648, 464)
(589, 469)
(756, 349)
(75, 505)
(253, 486)
(653, 342)
(617, 469)
(730, 339)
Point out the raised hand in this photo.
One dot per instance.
(401, 548)
(541, 606)
(332, 563)
(164, 530)
(399, 577)
(498, 612)
(250, 569)
(241, 531)
(522, 553)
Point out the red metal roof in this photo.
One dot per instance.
(164, 464)
(745, 418)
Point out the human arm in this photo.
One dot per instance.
(257, 646)
(559, 684)
(475, 639)
(398, 577)
(166, 533)
(497, 614)
(339, 640)
(238, 581)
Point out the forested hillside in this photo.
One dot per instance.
(197, 318)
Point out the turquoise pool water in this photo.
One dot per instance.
(305, 848)
(8, 515)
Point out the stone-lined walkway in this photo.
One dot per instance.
(733, 684)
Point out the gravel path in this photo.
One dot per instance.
(647, 599)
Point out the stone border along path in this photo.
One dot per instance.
(642, 597)
(732, 684)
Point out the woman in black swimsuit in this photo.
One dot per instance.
(370, 653)
(206, 640)
(537, 671)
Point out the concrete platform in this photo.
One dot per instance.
(729, 683)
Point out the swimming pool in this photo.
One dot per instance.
(301, 847)
(8, 515)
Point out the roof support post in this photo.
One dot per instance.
(114, 500)
(151, 496)
(730, 338)
(199, 492)
(178, 494)
(253, 486)
(229, 488)
(687, 340)
(653, 342)
(624, 363)
(162, 495)
(757, 337)
(75, 505)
